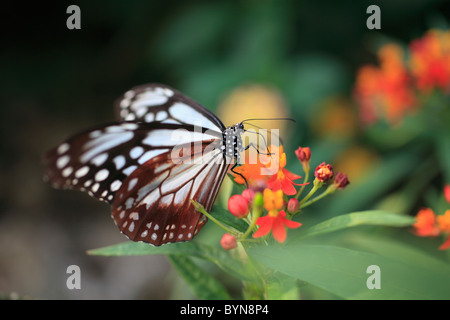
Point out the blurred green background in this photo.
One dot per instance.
(55, 82)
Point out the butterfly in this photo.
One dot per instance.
(164, 150)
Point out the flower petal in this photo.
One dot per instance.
(278, 230)
(265, 225)
(446, 244)
(288, 223)
(287, 187)
(290, 175)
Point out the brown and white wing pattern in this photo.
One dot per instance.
(154, 203)
(134, 164)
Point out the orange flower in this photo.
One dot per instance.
(430, 61)
(253, 174)
(384, 92)
(282, 179)
(444, 226)
(425, 225)
(444, 221)
(273, 200)
(275, 220)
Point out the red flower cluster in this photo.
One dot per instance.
(276, 187)
(390, 90)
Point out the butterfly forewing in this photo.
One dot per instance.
(165, 151)
(160, 103)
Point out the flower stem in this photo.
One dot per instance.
(303, 186)
(328, 191)
(316, 185)
(201, 209)
(255, 215)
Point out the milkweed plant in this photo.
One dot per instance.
(265, 240)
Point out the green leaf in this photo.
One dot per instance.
(202, 284)
(399, 250)
(373, 217)
(282, 287)
(221, 258)
(343, 272)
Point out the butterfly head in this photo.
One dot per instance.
(238, 128)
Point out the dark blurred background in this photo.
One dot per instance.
(55, 82)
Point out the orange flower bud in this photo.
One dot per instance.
(228, 242)
(324, 172)
(238, 206)
(341, 180)
(303, 154)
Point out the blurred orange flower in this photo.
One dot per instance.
(430, 61)
(385, 91)
(425, 225)
(444, 221)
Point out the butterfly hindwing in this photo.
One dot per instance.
(159, 210)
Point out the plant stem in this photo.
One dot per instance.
(328, 191)
(302, 187)
(200, 208)
(255, 216)
(316, 185)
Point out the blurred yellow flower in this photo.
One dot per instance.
(356, 162)
(336, 118)
(254, 101)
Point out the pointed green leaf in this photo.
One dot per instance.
(220, 257)
(373, 217)
(202, 284)
(344, 272)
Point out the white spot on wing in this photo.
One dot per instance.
(102, 175)
(184, 112)
(62, 161)
(115, 185)
(105, 142)
(161, 115)
(82, 172)
(63, 148)
(100, 159)
(129, 170)
(119, 161)
(132, 183)
(136, 152)
(150, 154)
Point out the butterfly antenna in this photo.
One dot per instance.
(261, 119)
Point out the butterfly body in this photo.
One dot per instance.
(165, 150)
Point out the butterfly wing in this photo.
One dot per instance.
(154, 203)
(160, 103)
(136, 160)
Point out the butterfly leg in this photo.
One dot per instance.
(257, 149)
(235, 172)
